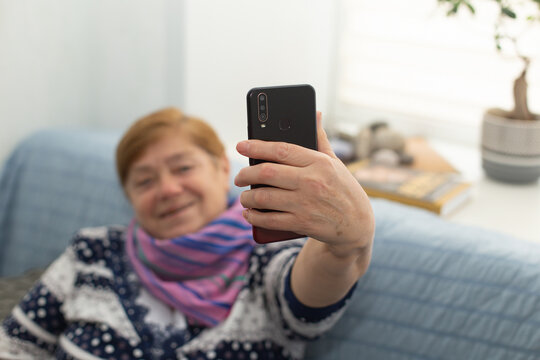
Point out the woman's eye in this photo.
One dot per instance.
(143, 183)
(182, 169)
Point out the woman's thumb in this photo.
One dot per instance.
(322, 139)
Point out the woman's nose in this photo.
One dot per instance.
(169, 185)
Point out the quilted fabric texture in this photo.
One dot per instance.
(438, 290)
(54, 183)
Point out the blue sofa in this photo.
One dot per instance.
(435, 289)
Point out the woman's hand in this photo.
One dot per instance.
(315, 195)
(313, 191)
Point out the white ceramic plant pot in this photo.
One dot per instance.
(510, 148)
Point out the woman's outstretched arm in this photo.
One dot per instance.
(314, 194)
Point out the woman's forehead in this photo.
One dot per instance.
(169, 143)
(148, 162)
(167, 149)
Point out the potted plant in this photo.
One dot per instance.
(510, 139)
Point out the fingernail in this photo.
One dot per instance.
(245, 213)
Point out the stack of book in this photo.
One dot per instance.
(430, 182)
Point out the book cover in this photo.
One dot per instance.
(440, 192)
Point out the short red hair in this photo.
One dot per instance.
(153, 127)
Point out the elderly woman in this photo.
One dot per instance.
(185, 279)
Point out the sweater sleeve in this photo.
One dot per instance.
(34, 325)
(298, 321)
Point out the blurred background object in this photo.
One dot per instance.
(510, 138)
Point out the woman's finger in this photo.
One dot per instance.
(273, 220)
(279, 152)
(270, 198)
(271, 174)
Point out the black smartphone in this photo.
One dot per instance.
(281, 113)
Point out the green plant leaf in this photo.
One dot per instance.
(453, 10)
(471, 8)
(508, 12)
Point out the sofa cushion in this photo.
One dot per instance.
(439, 290)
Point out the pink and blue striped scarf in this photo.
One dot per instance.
(199, 274)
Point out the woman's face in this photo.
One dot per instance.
(176, 187)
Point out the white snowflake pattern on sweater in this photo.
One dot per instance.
(89, 304)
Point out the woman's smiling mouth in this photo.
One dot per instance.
(174, 211)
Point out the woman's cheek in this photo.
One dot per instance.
(142, 204)
(149, 205)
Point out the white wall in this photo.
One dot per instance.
(104, 63)
(232, 46)
(97, 63)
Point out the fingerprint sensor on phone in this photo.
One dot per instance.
(284, 124)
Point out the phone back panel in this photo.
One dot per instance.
(291, 115)
(291, 118)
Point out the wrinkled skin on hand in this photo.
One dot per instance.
(313, 191)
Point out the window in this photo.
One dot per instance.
(407, 63)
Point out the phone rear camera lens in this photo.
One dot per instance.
(263, 117)
(263, 107)
(261, 97)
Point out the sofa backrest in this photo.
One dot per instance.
(55, 182)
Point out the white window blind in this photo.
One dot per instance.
(409, 64)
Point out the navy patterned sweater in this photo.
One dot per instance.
(89, 304)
